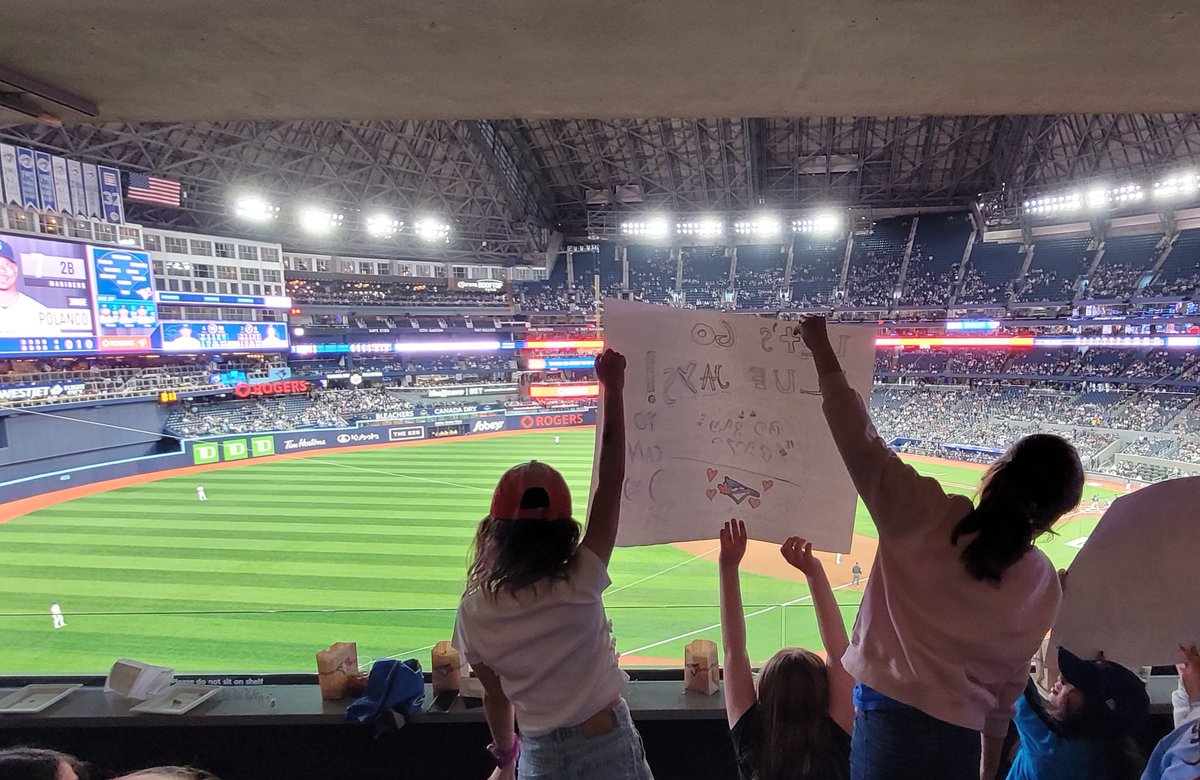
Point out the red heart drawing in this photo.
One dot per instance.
(712, 474)
(767, 483)
(710, 493)
(754, 502)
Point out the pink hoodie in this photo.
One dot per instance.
(928, 634)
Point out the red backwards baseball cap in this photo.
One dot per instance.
(520, 479)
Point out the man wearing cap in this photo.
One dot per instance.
(18, 312)
(1084, 730)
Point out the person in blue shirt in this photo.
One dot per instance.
(1177, 755)
(1084, 730)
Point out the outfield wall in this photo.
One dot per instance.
(64, 472)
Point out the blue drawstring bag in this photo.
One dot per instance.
(392, 687)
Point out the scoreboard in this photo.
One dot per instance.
(66, 298)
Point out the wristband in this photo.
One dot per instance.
(506, 757)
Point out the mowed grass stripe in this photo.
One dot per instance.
(344, 530)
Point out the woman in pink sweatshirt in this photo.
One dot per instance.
(958, 598)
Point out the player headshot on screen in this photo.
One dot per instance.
(273, 338)
(184, 339)
(18, 312)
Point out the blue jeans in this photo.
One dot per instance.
(893, 741)
(567, 754)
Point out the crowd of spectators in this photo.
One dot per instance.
(386, 293)
(1113, 280)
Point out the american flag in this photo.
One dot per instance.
(145, 188)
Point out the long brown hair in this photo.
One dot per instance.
(793, 716)
(510, 555)
(1036, 482)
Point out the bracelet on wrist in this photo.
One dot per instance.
(505, 757)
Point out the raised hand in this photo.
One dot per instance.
(798, 553)
(1189, 670)
(610, 370)
(812, 330)
(733, 543)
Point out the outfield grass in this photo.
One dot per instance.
(289, 556)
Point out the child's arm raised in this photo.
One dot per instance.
(739, 681)
(798, 553)
(601, 532)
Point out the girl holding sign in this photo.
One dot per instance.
(532, 624)
(958, 600)
(797, 724)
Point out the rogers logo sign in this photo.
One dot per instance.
(483, 426)
(551, 420)
(347, 438)
(244, 390)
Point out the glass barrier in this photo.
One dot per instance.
(286, 640)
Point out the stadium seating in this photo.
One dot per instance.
(1179, 274)
(705, 276)
(1126, 262)
(761, 275)
(875, 263)
(651, 273)
(989, 276)
(1055, 270)
(937, 252)
(368, 292)
(816, 270)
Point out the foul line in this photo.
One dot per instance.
(398, 474)
(664, 571)
(762, 611)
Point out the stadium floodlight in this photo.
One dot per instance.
(1097, 198)
(1179, 185)
(252, 208)
(1053, 204)
(651, 227)
(381, 225)
(432, 230)
(319, 221)
(704, 227)
(821, 223)
(297, 331)
(762, 226)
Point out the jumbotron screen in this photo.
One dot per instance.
(65, 298)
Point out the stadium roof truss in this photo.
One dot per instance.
(505, 185)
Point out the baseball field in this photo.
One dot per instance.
(290, 554)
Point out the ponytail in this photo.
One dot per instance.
(1032, 485)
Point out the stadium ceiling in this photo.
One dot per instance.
(507, 185)
(283, 60)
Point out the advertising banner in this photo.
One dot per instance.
(75, 185)
(93, 201)
(214, 336)
(110, 195)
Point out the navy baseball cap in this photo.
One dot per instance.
(1120, 692)
(6, 251)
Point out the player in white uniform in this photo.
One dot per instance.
(556, 438)
(57, 616)
(18, 312)
(200, 493)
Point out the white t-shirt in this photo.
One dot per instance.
(552, 648)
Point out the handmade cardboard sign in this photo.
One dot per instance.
(723, 419)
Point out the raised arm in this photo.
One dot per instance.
(889, 487)
(739, 681)
(798, 553)
(602, 522)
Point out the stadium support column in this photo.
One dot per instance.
(912, 236)
(956, 284)
(846, 262)
(1016, 283)
(1097, 245)
(787, 266)
(732, 250)
(677, 256)
(623, 255)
